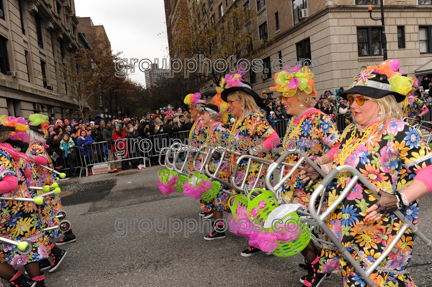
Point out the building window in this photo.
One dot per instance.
(44, 78)
(425, 39)
(4, 59)
(39, 30)
(425, 2)
(246, 4)
(252, 76)
(58, 7)
(21, 16)
(367, 2)
(369, 41)
(277, 20)
(212, 18)
(263, 31)
(267, 73)
(401, 37)
(62, 49)
(27, 64)
(303, 50)
(220, 10)
(210, 2)
(298, 5)
(260, 4)
(2, 11)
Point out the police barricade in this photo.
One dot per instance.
(321, 217)
(134, 150)
(71, 162)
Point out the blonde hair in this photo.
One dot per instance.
(248, 102)
(305, 99)
(197, 107)
(389, 108)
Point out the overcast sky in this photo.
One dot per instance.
(135, 27)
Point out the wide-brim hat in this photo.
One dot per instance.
(210, 108)
(4, 128)
(373, 85)
(247, 88)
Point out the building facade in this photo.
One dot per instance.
(154, 74)
(35, 38)
(338, 37)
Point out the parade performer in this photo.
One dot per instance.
(413, 107)
(311, 131)
(392, 156)
(20, 220)
(197, 136)
(251, 133)
(214, 117)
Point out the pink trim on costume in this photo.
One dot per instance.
(424, 175)
(306, 113)
(426, 110)
(333, 150)
(8, 183)
(17, 274)
(268, 143)
(40, 160)
(39, 278)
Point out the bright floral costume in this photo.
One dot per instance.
(19, 220)
(388, 153)
(412, 106)
(315, 133)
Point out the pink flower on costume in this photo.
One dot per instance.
(19, 260)
(331, 266)
(42, 251)
(356, 192)
(395, 126)
(336, 227)
(354, 158)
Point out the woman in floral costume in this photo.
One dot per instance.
(392, 156)
(311, 131)
(215, 115)
(197, 137)
(19, 220)
(251, 132)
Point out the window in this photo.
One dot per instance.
(252, 76)
(247, 5)
(277, 20)
(425, 39)
(367, 2)
(425, 2)
(58, 7)
(210, 3)
(267, 73)
(369, 41)
(39, 30)
(212, 18)
(303, 50)
(27, 65)
(2, 11)
(62, 49)
(220, 9)
(21, 16)
(44, 78)
(260, 4)
(298, 5)
(263, 31)
(401, 37)
(4, 59)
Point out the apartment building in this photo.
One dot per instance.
(35, 38)
(337, 35)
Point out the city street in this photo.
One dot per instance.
(100, 257)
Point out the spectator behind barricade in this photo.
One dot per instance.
(169, 126)
(107, 137)
(67, 145)
(158, 128)
(425, 83)
(97, 132)
(56, 153)
(272, 120)
(84, 144)
(119, 149)
(343, 107)
(328, 109)
(280, 114)
(131, 132)
(147, 132)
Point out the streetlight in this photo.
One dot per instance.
(383, 34)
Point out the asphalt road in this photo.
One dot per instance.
(111, 216)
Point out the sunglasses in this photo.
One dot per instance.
(360, 100)
(231, 102)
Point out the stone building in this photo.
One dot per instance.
(338, 35)
(35, 38)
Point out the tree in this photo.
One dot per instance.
(196, 32)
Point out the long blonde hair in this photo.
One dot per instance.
(248, 102)
(389, 108)
(305, 99)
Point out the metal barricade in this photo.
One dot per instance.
(321, 217)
